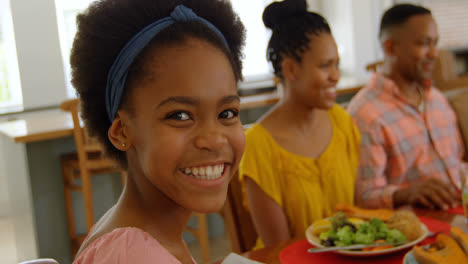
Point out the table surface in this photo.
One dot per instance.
(271, 255)
(43, 125)
(54, 123)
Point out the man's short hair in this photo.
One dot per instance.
(399, 14)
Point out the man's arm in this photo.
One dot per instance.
(374, 191)
(431, 193)
(372, 188)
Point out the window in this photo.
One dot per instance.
(66, 20)
(10, 88)
(452, 21)
(256, 67)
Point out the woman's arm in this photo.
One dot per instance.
(268, 217)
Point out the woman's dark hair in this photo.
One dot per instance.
(292, 28)
(107, 25)
(399, 14)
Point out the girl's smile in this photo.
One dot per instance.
(211, 176)
(208, 172)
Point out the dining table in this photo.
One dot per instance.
(271, 255)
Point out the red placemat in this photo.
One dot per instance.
(457, 210)
(435, 226)
(296, 253)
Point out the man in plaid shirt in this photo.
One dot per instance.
(411, 149)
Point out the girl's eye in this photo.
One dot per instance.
(182, 116)
(228, 114)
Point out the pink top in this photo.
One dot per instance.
(126, 245)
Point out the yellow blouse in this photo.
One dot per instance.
(307, 189)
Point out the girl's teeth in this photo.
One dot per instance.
(205, 173)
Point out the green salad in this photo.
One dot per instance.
(345, 233)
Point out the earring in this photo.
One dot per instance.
(124, 145)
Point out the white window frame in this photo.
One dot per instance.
(10, 60)
(67, 32)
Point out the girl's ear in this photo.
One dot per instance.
(118, 132)
(289, 69)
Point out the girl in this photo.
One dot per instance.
(301, 157)
(157, 82)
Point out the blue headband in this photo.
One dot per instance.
(119, 70)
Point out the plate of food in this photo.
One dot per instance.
(401, 230)
(451, 248)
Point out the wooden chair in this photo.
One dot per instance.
(374, 67)
(237, 219)
(87, 161)
(445, 76)
(201, 234)
(458, 101)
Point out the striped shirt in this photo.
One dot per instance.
(402, 144)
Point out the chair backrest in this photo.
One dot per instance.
(444, 68)
(460, 106)
(374, 67)
(237, 219)
(84, 143)
(40, 261)
(446, 75)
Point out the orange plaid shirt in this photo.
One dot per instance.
(401, 145)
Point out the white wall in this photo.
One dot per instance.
(38, 51)
(365, 21)
(4, 195)
(314, 5)
(355, 26)
(339, 16)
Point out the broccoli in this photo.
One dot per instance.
(380, 228)
(345, 236)
(395, 236)
(329, 234)
(365, 228)
(377, 223)
(364, 238)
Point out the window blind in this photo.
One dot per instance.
(452, 20)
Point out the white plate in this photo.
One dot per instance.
(409, 258)
(314, 240)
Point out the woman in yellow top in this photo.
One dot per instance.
(301, 157)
